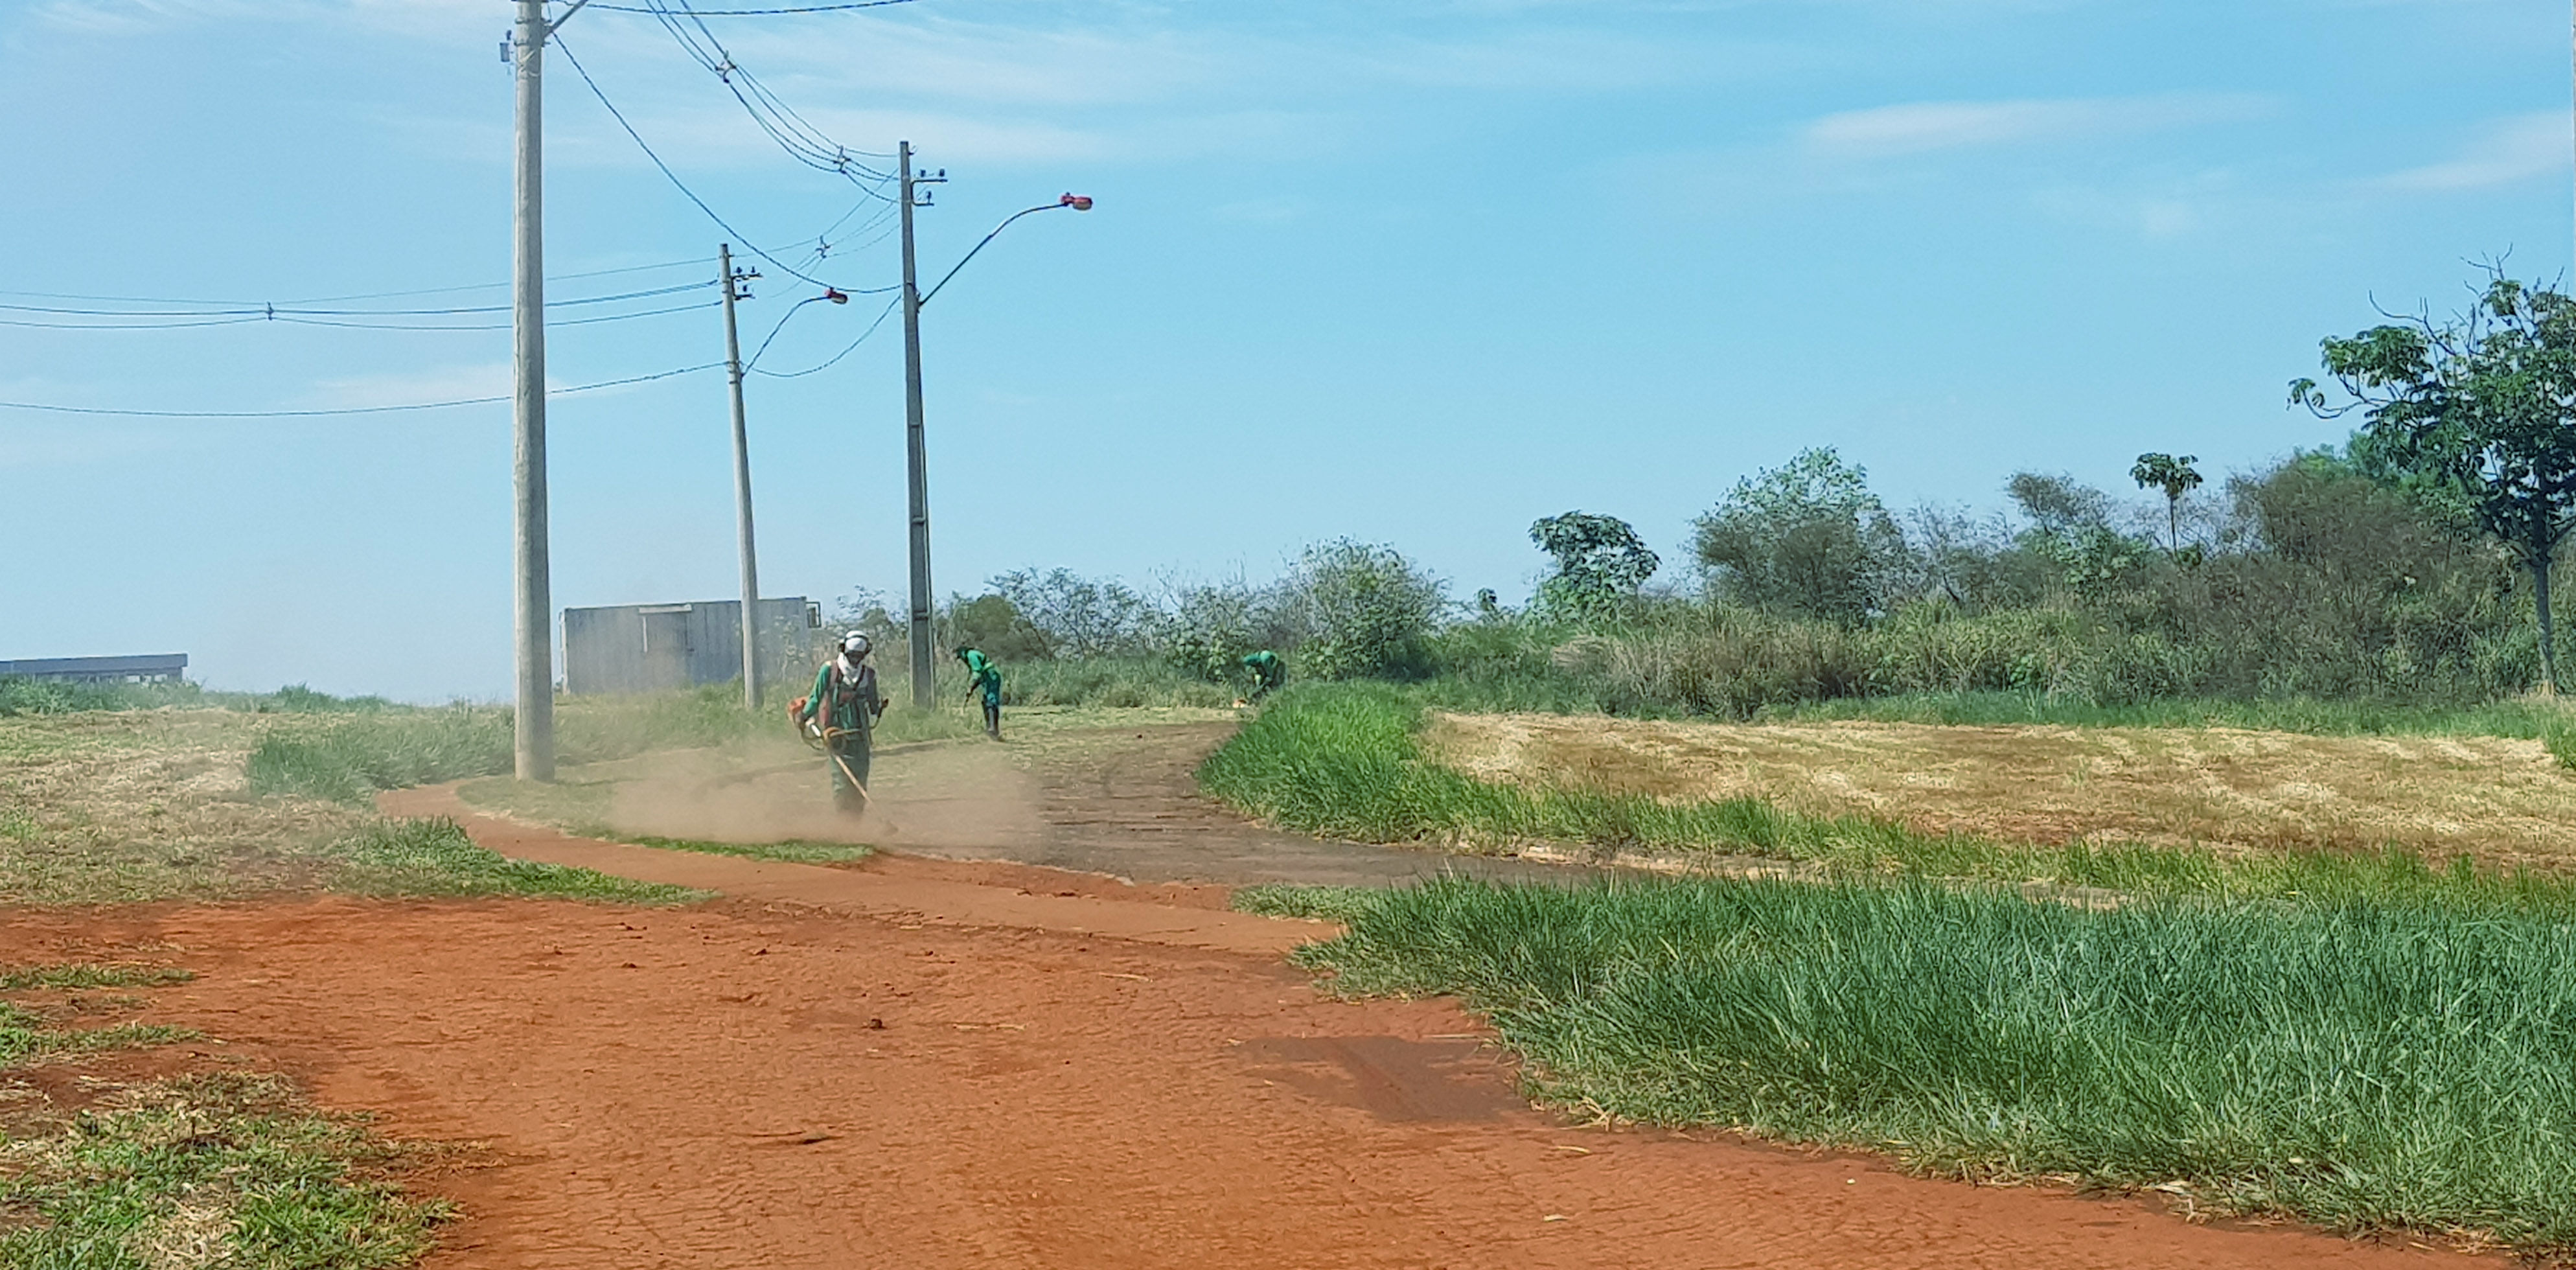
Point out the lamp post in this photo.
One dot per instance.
(924, 658)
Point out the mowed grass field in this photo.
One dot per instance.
(2202, 987)
(2501, 800)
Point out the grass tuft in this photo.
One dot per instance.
(25, 1038)
(792, 850)
(78, 975)
(1323, 903)
(2357, 1065)
(434, 857)
(222, 1169)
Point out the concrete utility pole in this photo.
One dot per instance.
(924, 657)
(533, 598)
(742, 483)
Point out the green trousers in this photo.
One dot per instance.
(853, 751)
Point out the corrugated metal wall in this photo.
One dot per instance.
(663, 647)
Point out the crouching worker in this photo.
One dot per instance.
(1266, 671)
(846, 705)
(986, 678)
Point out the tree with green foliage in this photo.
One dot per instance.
(1600, 563)
(1806, 537)
(2482, 407)
(1365, 610)
(2176, 477)
(994, 624)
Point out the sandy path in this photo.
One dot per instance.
(757, 1086)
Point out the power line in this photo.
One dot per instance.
(683, 186)
(756, 13)
(342, 299)
(491, 326)
(836, 357)
(128, 326)
(283, 318)
(284, 311)
(796, 135)
(347, 410)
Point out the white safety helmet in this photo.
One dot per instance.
(854, 645)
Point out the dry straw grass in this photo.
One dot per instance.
(2500, 800)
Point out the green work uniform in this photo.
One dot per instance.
(985, 678)
(848, 706)
(1268, 672)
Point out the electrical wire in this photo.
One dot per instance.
(347, 410)
(836, 357)
(794, 134)
(692, 195)
(127, 326)
(490, 326)
(754, 13)
(282, 311)
(694, 262)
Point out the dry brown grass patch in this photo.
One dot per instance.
(2504, 801)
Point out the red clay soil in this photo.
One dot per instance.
(927, 1071)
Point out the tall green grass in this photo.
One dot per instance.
(1341, 760)
(2357, 1065)
(349, 759)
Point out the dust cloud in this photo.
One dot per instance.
(944, 799)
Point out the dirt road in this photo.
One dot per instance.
(929, 1064)
(757, 1086)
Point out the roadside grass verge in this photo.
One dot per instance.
(221, 1168)
(1342, 760)
(26, 1037)
(434, 858)
(792, 850)
(2355, 1065)
(207, 1169)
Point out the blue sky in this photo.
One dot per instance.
(1416, 273)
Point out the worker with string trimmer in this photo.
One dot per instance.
(842, 713)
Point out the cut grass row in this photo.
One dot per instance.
(2358, 1065)
(1342, 760)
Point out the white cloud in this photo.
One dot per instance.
(1919, 127)
(2507, 150)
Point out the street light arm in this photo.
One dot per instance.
(834, 296)
(997, 229)
(557, 24)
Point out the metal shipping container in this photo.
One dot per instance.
(661, 647)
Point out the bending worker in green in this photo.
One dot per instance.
(847, 703)
(1267, 671)
(987, 679)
